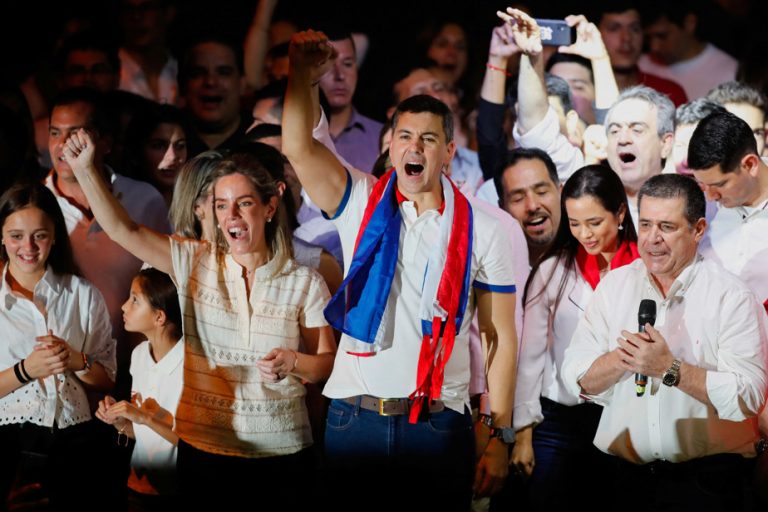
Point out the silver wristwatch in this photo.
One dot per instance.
(671, 377)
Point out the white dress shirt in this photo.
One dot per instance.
(153, 462)
(738, 240)
(547, 331)
(75, 311)
(709, 319)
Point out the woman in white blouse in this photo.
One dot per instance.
(246, 305)
(555, 429)
(56, 345)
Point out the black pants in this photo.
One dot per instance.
(717, 482)
(73, 466)
(223, 482)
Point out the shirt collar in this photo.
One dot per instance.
(402, 199)
(50, 282)
(172, 358)
(682, 282)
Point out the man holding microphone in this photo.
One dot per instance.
(687, 439)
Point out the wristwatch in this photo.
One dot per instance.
(87, 362)
(505, 434)
(671, 377)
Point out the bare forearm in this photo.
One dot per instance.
(256, 42)
(313, 368)
(495, 80)
(501, 382)
(162, 428)
(693, 382)
(531, 93)
(606, 90)
(97, 378)
(604, 373)
(8, 382)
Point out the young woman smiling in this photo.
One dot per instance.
(56, 345)
(554, 428)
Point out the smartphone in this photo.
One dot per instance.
(556, 32)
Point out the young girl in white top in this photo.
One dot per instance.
(156, 368)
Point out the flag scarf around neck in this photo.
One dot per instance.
(359, 308)
(590, 269)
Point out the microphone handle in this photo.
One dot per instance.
(640, 380)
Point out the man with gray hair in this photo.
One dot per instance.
(686, 442)
(640, 128)
(747, 103)
(687, 117)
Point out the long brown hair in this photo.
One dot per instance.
(25, 195)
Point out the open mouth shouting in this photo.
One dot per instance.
(237, 233)
(414, 169)
(627, 158)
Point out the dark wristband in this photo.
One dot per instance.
(17, 371)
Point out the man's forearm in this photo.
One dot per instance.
(532, 98)
(495, 81)
(605, 371)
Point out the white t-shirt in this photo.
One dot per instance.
(698, 75)
(153, 463)
(391, 373)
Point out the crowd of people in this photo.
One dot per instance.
(222, 282)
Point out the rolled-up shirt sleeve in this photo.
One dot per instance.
(737, 388)
(547, 137)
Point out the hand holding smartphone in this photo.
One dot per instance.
(556, 32)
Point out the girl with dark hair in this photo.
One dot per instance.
(156, 370)
(595, 236)
(156, 147)
(56, 346)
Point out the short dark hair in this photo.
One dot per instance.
(422, 103)
(210, 37)
(560, 58)
(24, 195)
(601, 7)
(161, 294)
(671, 186)
(559, 88)
(513, 156)
(737, 92)
(694, 111)
(102, 117)
(655, 10)
(84, 41)
(721, 139)
(137, 134)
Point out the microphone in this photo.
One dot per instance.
(646, 314)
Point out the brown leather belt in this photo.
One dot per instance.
(390, 406)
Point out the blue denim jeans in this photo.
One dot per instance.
(567, 464)
(386, 461)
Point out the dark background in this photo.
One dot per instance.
(30, 29)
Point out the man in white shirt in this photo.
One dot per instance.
(678, 53)
(724, 159)
(103, 262)
(372, 435)
(685, 441)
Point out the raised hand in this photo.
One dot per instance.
(502, 42)
(79, 151)
(589, 42)
(526, 32)
(310, 50)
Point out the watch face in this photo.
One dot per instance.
(508, 435)
(670, 378)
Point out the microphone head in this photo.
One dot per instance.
(647, 312)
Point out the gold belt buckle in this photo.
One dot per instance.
(383, 402)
